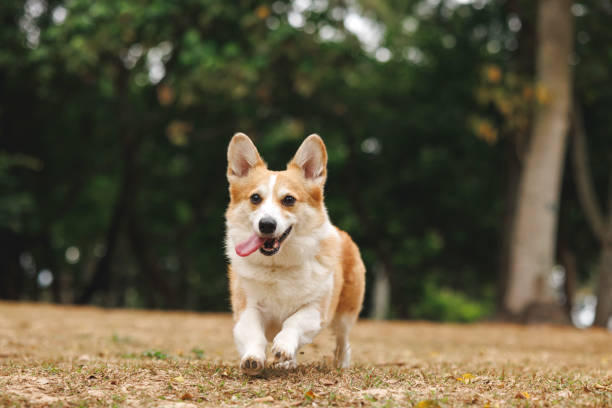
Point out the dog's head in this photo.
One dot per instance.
(270, 210)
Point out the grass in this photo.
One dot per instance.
(87, 357)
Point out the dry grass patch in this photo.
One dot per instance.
(82, 357)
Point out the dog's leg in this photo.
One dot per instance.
(342, 326)
(298, 329)
(250, 338)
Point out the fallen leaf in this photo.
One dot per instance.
(310, 394)
(269, 398)
(179, 379)
(522, 395)
(466, 378)
(186, 396)
(427, 404)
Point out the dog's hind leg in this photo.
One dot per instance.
(351, 299)
(342, 326)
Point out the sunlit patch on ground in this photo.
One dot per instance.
(67, 356)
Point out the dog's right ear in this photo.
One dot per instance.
(242, 156)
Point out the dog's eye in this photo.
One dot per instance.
(288, 201)
(256, 199)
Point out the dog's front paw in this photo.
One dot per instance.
(283, 352)
(284, 359)
(251, 365)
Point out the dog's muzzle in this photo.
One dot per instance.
(272, 246)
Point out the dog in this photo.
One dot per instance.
(291, 272)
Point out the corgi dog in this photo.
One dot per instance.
(291, 273)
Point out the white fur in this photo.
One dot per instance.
(270, 208)
(341, 326)
(298, 329)
(249, 335)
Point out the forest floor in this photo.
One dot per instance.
(82, 356)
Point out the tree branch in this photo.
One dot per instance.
(609, 232)
(583, 178)
(149, 265)
(101, 278)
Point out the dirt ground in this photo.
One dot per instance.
(69, 356)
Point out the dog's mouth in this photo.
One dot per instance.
(272, 245)
(267, 246)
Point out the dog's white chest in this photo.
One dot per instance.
(278, 293)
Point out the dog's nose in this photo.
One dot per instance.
(267, 225)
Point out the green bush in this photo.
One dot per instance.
(444, 304)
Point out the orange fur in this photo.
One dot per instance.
(237, 297)
(353, 270)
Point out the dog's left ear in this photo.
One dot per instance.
(311, 158)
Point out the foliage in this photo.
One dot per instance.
(115, 118)
(448, 305)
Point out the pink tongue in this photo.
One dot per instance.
(249, 246)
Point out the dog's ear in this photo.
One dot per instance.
(242, 156)
(311, 158)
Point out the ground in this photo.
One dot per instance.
(82, 356)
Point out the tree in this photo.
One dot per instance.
(600, 224)
(115, 117)
(534, 232)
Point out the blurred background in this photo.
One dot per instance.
(469, 146)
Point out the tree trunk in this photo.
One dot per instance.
(102, 276)
(150, 266)
(583, 178)
(604, 290)
(381, 294)
(131, 140)
(567, 258)
(515, 146)
(511, 182)
(533, 239)
(601, 227)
